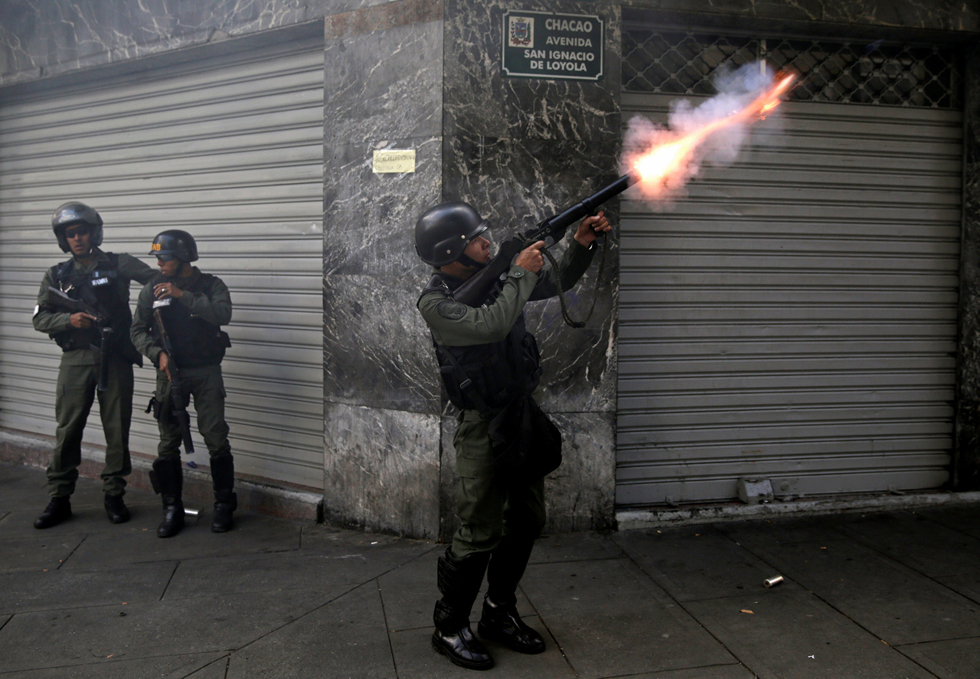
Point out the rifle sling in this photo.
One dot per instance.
(561, 293)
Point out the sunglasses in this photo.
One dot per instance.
(76, 231)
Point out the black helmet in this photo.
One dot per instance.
(444, 231)
(174, 244)
(74, 212)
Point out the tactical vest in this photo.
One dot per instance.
(194, 341)
(100, 289)
(486, 377)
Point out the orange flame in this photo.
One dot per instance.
(667, 160)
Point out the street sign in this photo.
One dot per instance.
(544, 45)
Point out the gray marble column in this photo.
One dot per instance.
(383, 90)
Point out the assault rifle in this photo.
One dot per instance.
(60, 300)
(176, 392)
(475, 290)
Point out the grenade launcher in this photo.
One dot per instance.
(474, 291)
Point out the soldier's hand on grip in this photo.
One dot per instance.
(161, 290)
(590, 227)
(81, 320)
(163, 364)
(531, 258)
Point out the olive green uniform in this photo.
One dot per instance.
(204, 382)
(76, 388)
(489, 508)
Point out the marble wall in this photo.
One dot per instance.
(383, 90)
(38, 39)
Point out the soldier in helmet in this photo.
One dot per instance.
(489, 362)
(101, 280)
(193, 306)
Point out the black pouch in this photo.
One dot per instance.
(155, 407)
(159, 405)
(526, 444)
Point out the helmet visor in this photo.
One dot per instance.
(486, 234)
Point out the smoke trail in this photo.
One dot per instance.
(736, 89)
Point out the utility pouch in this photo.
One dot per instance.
(63, 340)
(159, 405)
(525, 443)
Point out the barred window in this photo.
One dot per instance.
(876, 73)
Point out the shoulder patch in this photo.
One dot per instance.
(451, 309)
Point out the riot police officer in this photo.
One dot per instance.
(100, 281)
(489, 363)
(193, 308)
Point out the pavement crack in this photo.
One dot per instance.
(551, 634)
(75, 549)
(384, 615)
(169, 580)
(332, 600)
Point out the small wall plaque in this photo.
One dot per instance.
(393, 161)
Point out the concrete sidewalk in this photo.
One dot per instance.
(886, 595)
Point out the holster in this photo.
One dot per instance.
(161, 407)
(155, 406)
(525, 443)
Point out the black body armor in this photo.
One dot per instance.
(195, 342)
(485, 377)
(100, 289)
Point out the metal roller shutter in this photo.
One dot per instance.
(228, 145)
(794, 316)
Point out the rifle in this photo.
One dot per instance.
(176, 393)
(476, 288)
(58, 299)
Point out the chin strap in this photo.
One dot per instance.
(466, 260)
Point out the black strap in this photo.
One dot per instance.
(58, 272)
(595, 294)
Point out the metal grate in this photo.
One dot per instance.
(876, 73)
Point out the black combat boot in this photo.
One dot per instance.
(225, 501)
(116, 509)
(502, 623)
(58, 510)
(459, 582)
(168, 481)
(500, 620)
